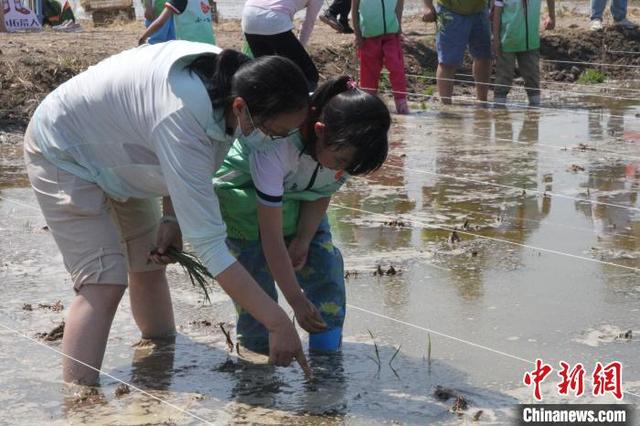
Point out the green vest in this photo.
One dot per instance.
(194, 24)
(237, 194)
(520, 25)
(464, 7)
(378, 17)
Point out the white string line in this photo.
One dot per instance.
(438, 333)
(630, 52)
(19, 203)
(505, 104)
(455, 208)
(582, 111)
(597, 64)
(350, 305)
(564, 83)
(537, 221)
(457, 339)
(499, 185)
(107, 375)
(530, 145)
(484, 237)
(520, 87)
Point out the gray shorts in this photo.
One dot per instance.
(100, 239)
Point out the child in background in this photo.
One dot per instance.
(516, 37)
(278, 198)
(192, 20)
(268, 28)
(153, 9)
(378, 29)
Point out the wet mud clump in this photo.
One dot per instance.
(445, 394)
(55, 307)
(56, 334)
(379, 272)
(121, 390)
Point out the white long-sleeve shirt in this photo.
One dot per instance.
(141, 126)
(255, 23)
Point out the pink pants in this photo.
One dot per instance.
(376, 51)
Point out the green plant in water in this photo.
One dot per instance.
(375, 346)
(591, 76)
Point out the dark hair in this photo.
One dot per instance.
(270, 85)
(353, 118)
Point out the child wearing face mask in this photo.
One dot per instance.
(274, 204)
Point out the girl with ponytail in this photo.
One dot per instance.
(151, 122)
(274, 204)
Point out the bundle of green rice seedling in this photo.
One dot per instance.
(197, 272)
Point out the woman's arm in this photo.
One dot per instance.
(313, 8)
(156, 25)
(277, 256)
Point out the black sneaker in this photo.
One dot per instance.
(331, 21)
(346, 29)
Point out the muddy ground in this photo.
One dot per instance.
(32, 65)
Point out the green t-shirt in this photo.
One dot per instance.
(464, 7)
(520, 25)
(192, 20)
(281, 176)
(378, 17)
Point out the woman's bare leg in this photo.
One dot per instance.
(151, 304)
(87, 330)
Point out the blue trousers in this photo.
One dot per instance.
(618, 9)
(322, 280)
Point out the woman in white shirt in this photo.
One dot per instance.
(268, 28)
(155, 121)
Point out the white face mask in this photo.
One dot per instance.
(257, 140)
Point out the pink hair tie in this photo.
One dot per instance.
(351, 84)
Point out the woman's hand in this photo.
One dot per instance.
(169, 235)
(307, 315)
(285, 346)
(298, 253)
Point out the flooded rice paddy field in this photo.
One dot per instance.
(543, 264)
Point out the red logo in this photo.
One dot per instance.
(605, 379)
(536, 377)
(339, 175)
(205, 7)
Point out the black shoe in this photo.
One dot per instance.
(346, 29)
(331, 21)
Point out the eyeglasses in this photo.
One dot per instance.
(272, 134)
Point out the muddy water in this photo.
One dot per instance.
(545, 273)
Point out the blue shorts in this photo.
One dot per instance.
(456, 32)
(165, 33)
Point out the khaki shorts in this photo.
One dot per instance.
(100, 239)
